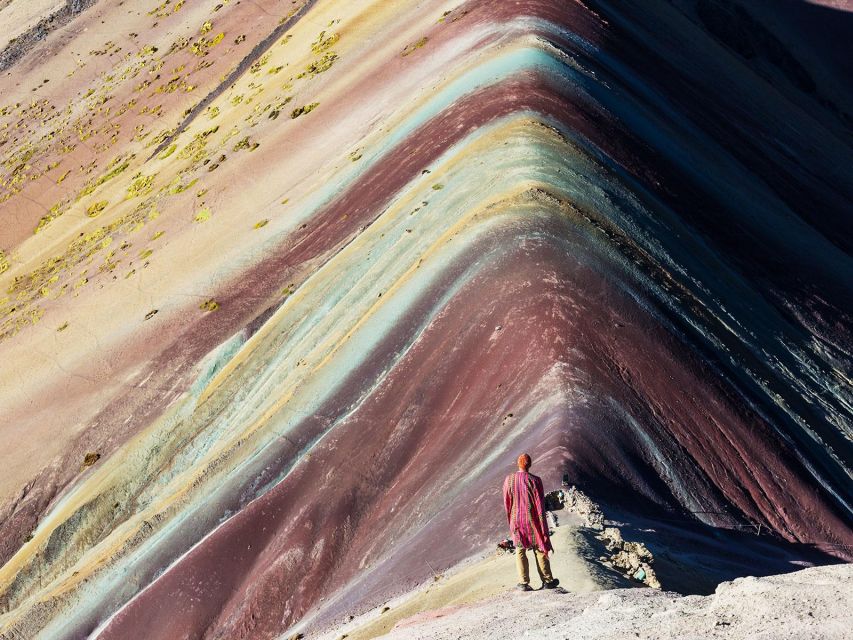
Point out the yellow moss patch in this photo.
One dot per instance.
(324, 42)
(261, 223)
(321, 64)
(177, 187)
(411, 48)
(140, 186)
(94, 210)
(202, 46)
(203, 215)
(246, 143)
(209, 305)
(301, 111)
(195, 149)
(115, 167)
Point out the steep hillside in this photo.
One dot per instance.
(286, 286)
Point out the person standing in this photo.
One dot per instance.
(524, 500)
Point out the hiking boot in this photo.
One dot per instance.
(551, 585)
(522, 586)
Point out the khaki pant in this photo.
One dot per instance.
(543, 565)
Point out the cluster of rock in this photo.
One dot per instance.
(577, 502)
(633, 559)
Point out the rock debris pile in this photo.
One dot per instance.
(633, 559)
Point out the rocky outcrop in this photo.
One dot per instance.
(633, 559)
(19, 46)
(581, 504)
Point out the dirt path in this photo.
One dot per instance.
(475, 582)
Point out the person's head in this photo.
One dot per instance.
(524, 462)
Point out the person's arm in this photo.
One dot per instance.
(508, 499)
(540, 497)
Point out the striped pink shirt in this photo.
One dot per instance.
(524, 500)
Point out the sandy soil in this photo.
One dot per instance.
(813, 604)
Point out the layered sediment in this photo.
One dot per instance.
(285, 289)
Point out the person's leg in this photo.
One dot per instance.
(521, 564)
(543, 566)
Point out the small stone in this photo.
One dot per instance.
(90, 459)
